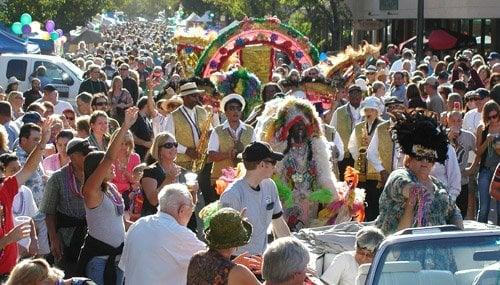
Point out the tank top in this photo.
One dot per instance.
(105, 222)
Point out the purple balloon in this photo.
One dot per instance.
(26, 29)
(60, 32)
(50, 25)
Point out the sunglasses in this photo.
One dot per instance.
(101, 103)
(493, 117)
(422, 158)
(170, 145)
(70, 118)
(270, 161)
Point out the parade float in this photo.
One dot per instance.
(255, 42)
(190, 45)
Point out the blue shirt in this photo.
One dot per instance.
(400, 93)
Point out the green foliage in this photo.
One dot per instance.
(299, 21)
(146, 8)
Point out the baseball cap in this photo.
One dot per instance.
(49, 87)
(483, 93)
(79, 145)
(258, 151)
(371, 69)
(493, 55)
(32, 117)
(354, 87)
(392, 100)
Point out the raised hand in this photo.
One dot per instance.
(130, 116)
(46, 130)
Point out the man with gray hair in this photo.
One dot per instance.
(344, 267)
(285, 262)
(159, 247)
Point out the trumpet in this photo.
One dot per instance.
(202, 147)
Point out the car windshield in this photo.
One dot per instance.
(471, 260)
(74, 69)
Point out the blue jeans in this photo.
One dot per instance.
(95, 271)
(483, 188)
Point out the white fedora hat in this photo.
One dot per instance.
(189, 88)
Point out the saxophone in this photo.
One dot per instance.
(362, 161)
(202, 147)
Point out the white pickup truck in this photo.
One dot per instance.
(64, 75)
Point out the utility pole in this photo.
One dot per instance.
(420, 31)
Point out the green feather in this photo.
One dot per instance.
(322, 195)
(284, 191)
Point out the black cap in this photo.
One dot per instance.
(392, 100)
(483, 93)
(258, 151)
(79, 145)
(354, 87)
(49, 87)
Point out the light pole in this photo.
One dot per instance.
(420, 30)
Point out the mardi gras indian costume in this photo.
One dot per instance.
(304, 177)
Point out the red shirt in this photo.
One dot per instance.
(8, 256)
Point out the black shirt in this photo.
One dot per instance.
(30, 96)
(143, 129)
(92, 87)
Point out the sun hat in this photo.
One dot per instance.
(189, 88)
(227, 229)
(230, 97)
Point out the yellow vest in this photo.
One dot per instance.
(344, 127)
(371, 173)
(385, 146)
(329, 132)
(184, 133)
(226, 143)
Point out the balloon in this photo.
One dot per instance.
(64, 39)
(59, 32)
(17, 28)
(26, 29)
(25, 19)
(44, 35)
(35, 26)
(50, 25)
(54, 35)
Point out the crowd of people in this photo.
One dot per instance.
(104, 189)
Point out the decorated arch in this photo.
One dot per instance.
(257, 40)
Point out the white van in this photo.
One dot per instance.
(64, 75)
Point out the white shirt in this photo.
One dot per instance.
(449, 173)
(472, 119)
(170, 126)
(398, 65)
(159, 123)
(213, 142)
(343, 270)
(353, 143)
(158, 250)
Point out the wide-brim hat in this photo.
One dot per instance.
(227, 229)
(230, 97)
(13, 80)
(189, 88)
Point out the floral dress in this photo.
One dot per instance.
(433, 208)
(209, 268)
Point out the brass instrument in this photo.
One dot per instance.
(362, 161)
(202, 146)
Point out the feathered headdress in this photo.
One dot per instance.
(419, 134)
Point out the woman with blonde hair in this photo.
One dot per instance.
(119, 98)
(161, 171)
(124, 165)
(16, 100)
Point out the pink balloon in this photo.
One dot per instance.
(50, 25)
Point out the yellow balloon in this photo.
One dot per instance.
(45, 35)
(35, 26)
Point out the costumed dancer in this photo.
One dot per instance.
(360, 138)
(411, 197)
(304, 177)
